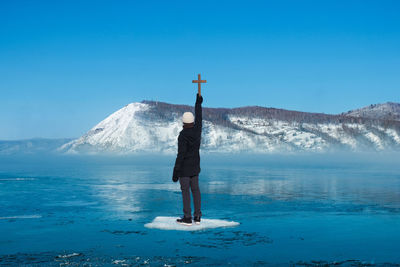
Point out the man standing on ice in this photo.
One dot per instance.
(187, 164)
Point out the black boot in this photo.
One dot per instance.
(184, 221)
(197, 219)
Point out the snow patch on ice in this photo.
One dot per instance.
(169, 223)
(35, 216)
(17, 179)
(69, 255)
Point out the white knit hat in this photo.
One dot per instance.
(188, 117)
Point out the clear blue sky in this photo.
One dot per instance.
(66, 65)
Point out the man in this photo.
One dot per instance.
(187, 164)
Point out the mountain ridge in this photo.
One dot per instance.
(153, 126)
(32, 145)
(388, 110)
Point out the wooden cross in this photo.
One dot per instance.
(199, 82)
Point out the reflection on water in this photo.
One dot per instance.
(311, 184)
(282, 203)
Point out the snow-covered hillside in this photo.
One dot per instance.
(154, 127)
(127, 131)
(389, 111)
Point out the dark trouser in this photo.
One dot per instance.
(192, 183)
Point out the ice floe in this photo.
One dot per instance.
(169, 223)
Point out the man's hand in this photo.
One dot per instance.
(199, 99)
(175, 176)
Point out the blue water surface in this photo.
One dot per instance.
(300, 210)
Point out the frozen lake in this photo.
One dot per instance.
(300, 210)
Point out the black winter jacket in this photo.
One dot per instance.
(188, 159)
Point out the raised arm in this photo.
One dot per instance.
(198, 112)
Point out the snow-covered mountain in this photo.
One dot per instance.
(388, 111)
(151, 126)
